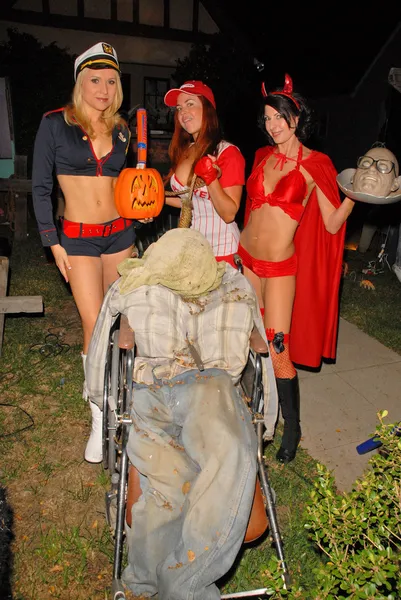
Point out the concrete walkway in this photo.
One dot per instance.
(339, 404)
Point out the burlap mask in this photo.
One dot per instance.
(181, 260)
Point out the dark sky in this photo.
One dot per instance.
(328, 52)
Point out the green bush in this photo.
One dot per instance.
(358, 533)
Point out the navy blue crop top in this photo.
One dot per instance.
(67, 150)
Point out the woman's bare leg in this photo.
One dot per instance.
(255, 281)
(109, 266)
(86, 280)
(278, 300)
(90, 278)
(278, 296)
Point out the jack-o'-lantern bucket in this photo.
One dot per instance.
(139, 192)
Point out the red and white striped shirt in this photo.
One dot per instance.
(222, 236)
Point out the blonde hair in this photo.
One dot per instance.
(74, 112)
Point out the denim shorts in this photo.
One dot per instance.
(98, 245)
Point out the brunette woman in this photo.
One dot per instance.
(292, 247)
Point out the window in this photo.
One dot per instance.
(159, 115)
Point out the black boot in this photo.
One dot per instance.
(288, 395)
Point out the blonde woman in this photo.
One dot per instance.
(85, 144)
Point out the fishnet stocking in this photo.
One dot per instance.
(282, 365)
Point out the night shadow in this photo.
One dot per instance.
(6, 539)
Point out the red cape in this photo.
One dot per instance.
(315, 314)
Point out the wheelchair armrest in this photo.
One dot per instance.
(126, 339)
(257, 343)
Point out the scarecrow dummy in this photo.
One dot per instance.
(192, 438)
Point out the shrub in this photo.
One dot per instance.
(360, 532)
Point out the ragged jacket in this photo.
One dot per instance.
(218, 325)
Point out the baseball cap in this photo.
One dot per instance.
(194, 88)
(99, 56)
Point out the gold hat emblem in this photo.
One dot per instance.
(107, 49)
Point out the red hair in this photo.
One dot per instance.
(208, 138)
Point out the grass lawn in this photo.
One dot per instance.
(377, 311)
(62, 546)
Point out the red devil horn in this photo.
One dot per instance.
(287, 84)
(264, 93)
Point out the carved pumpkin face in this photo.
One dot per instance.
(139, 193)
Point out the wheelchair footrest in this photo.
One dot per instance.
(117, 590)
(259, 592)
(111, 509)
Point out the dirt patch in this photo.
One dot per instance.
(69, 327)
(62, 545)
(59, 516)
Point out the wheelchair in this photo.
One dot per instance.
(125, 490)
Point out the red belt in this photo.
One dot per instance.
(74, 230)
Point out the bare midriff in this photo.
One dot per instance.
(269, 234)
(88, 199)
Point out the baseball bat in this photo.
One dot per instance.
(142, 137)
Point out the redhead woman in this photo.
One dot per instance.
(292, 247)
(197, 146)
(85, 144)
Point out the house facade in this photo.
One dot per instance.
(148, 35)
(368, 113)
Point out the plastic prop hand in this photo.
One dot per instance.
(207, 170)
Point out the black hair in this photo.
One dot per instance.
(378, 145)
(289, 110)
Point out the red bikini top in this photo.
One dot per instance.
(290, 190)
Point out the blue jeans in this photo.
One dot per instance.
(194, 443)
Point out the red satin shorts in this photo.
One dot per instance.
(266, 268)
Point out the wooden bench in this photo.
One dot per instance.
(14, 304)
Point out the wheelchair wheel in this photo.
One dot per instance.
(117, 396)
(116, 424)
(111, 393)
(252, 381)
